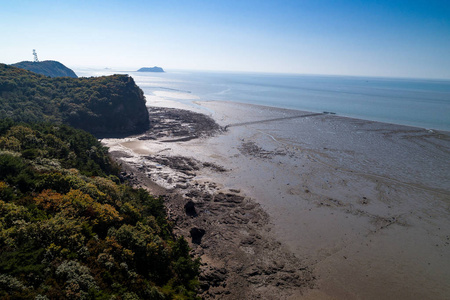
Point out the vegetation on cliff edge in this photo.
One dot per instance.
(70, 230)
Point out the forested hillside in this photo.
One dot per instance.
(105, 105)
(70, 230)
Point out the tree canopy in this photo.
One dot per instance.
(69, 229)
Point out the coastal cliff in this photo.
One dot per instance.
(49, 68)
(107, 105)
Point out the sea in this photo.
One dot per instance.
(423, 103)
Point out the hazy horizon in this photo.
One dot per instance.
(400, 39)
(178, 70)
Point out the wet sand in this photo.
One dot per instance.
(361, 207)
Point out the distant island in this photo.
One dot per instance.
(154, 69)
(49, 68)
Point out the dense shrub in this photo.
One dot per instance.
(70, 230)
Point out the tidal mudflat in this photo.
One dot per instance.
(302, 206)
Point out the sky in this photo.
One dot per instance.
(389, 38)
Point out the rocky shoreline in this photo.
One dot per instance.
(230, 232)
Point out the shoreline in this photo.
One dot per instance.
(343, 183)
(199, 108)
(351, 83)
(442, 131)
(224, 228)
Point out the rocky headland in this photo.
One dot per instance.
(49, 68)
(105, 106)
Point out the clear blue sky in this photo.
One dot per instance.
(343, 37)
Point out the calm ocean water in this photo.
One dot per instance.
(416, 102)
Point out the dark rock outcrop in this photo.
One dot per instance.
(197, 234)
(190, 210)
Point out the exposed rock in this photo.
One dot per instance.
(175, 125)
(211, 276)
(241, 259)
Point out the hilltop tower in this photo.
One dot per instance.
(35, 56)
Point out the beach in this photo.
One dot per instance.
(288, 204)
